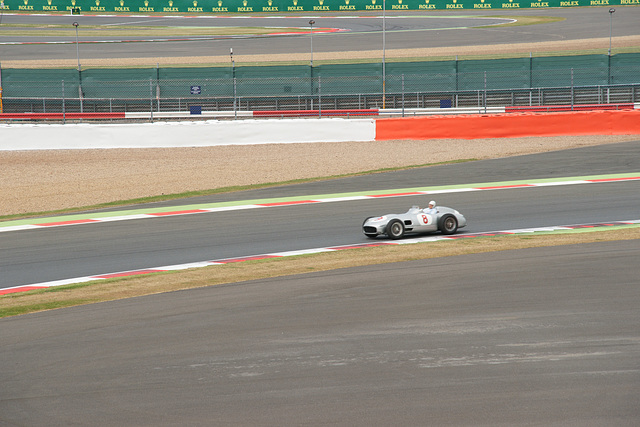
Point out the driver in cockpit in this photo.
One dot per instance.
(431, 209)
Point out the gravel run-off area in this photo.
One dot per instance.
(37, 181)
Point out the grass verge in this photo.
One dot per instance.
(134, 286)
(525, 20)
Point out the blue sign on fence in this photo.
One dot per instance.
(196, 90)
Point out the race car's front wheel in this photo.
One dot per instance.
(395, 229)
(448, 224)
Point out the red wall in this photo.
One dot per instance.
(623, 122)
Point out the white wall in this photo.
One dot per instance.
(183, 134)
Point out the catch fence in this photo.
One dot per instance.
(480, 85)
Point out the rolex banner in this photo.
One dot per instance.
(260, 6)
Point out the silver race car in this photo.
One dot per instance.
(446, 220)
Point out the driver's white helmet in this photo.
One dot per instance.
(432, 203)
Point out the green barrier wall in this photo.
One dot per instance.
(335, 79)
(260, 6)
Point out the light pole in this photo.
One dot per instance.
(311, 22)
(611, 11)
(233, 75)
(384, 50)
(75, 24)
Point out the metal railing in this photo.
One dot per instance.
(317, 100)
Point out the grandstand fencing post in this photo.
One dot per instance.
(457, 75)
(235, 98)
(403, 95)
(80, 90)
(319, 98)
(572, 89)
(530, 71)
(64, 112)
(1, 106)
(151, 100)
(233, 76)
(484, 97)
(530, 78)
(311, 85)
(540, 96)
(158, 86)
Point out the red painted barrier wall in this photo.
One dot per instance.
(60, 116)
(621, 122)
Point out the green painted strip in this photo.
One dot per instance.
(582, 230)
(145, 211)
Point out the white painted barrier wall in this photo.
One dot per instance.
(183, 134)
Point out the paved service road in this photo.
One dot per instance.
(538, 337)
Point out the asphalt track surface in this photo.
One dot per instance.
(537, 337)
(41, 255)
(546, 336)
(413, 29)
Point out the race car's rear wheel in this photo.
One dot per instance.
(448, 224)
(395, 229)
